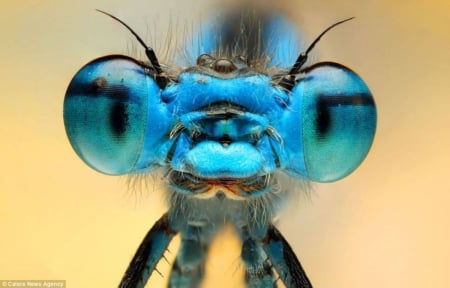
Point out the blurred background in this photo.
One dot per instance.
(386, 225)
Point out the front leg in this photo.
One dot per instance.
(189, 268)
(148, 254)
(284, 260)
(258, 270)
(265, 250)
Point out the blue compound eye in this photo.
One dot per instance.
(339, 121)
(105, 113)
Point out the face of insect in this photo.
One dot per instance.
(219, 120)
(222, 127)
(223, 121)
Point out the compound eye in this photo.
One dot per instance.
(105, 113)
(339, 121)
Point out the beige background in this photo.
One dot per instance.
(387, 225)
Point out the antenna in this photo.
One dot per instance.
(148, 50)
(304, 56)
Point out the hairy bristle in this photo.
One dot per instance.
(264, 38)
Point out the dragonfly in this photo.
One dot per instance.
(224, 130)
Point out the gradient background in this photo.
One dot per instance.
(386, 225)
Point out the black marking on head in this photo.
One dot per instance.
(118, 93)
(98, 85)
(118, 118)
(323, 120)
(325, 102)
(361, 99)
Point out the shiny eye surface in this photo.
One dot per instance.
(105, 113)
(339, 121)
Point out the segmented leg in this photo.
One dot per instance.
(258, 271)
(189, 267)
(284, 260)
(148, 254)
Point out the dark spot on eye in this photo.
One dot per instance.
(118, 118)
(118, 93)
(323, 120)
(98, 85)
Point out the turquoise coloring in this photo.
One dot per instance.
(223, 129)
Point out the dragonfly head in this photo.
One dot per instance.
(220, 121)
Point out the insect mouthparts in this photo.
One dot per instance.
(223, 108)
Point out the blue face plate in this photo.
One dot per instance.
(223, 128)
